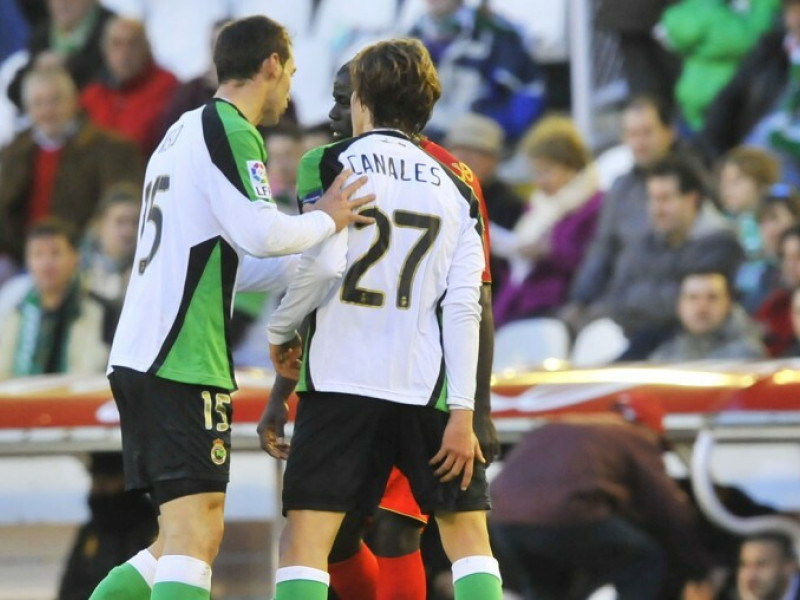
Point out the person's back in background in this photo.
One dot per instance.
(582, 502)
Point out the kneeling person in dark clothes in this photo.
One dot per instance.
(583, 502)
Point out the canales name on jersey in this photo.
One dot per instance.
(381, 331)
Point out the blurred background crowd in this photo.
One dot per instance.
(639, 161)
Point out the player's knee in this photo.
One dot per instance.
(464, 534)
(394, 535)
(194, 527)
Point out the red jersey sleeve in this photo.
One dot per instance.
(465, 174)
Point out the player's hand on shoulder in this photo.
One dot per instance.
(339, 204)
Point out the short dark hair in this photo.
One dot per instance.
(397, 81)
(660, 106)
(780, 194)
(54, 227)
(781, 540)
(243, 45)
(688, 177)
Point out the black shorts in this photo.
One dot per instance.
(176, 437)
(344, 447)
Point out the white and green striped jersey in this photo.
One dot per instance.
(206, 205)
(397, 302)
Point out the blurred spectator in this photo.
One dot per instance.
(131, 96)
(794, 349)
(477, 141)
(550, 239)
(316, 136)
(712, 325)
(194, 92)
(742, 109)
(120, 524)
(582, 502)
(649, 68)
(58, 327)
(69, 38)
(107, 252)
(14, 28)
(483, 65)
(61, 165)
(767, 569)
(284, 148)
(686, 233)
(711, 38)
(647, 131)
(745, 176)
(774, 314)
(778, 211)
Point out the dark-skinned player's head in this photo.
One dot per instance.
(395, 85)
(341, 125)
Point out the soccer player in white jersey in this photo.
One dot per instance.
(389, 367)
(207, 206)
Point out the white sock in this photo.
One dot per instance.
(300, 572)
(183, 569)
(469, 565)
(145, 564)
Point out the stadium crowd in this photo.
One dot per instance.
(691, 248)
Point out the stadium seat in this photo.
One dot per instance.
(599, 343)
(542, 23)
(529, 342)
(295, 15)
(338, 20)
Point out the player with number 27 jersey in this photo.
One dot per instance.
(425, 244)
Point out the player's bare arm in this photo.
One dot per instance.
(273, 420)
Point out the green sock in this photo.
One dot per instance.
(301, 589)
(477, 578)
(478, 586)
(172, 590)
(301, 583)
(122, 583)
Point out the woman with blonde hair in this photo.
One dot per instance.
(549, 241)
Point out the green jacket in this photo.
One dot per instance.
(711, 36)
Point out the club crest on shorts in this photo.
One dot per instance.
(218, 452)
(258, 178)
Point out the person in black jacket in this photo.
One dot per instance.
(648, 67)
(756, 89)
(120, 524)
